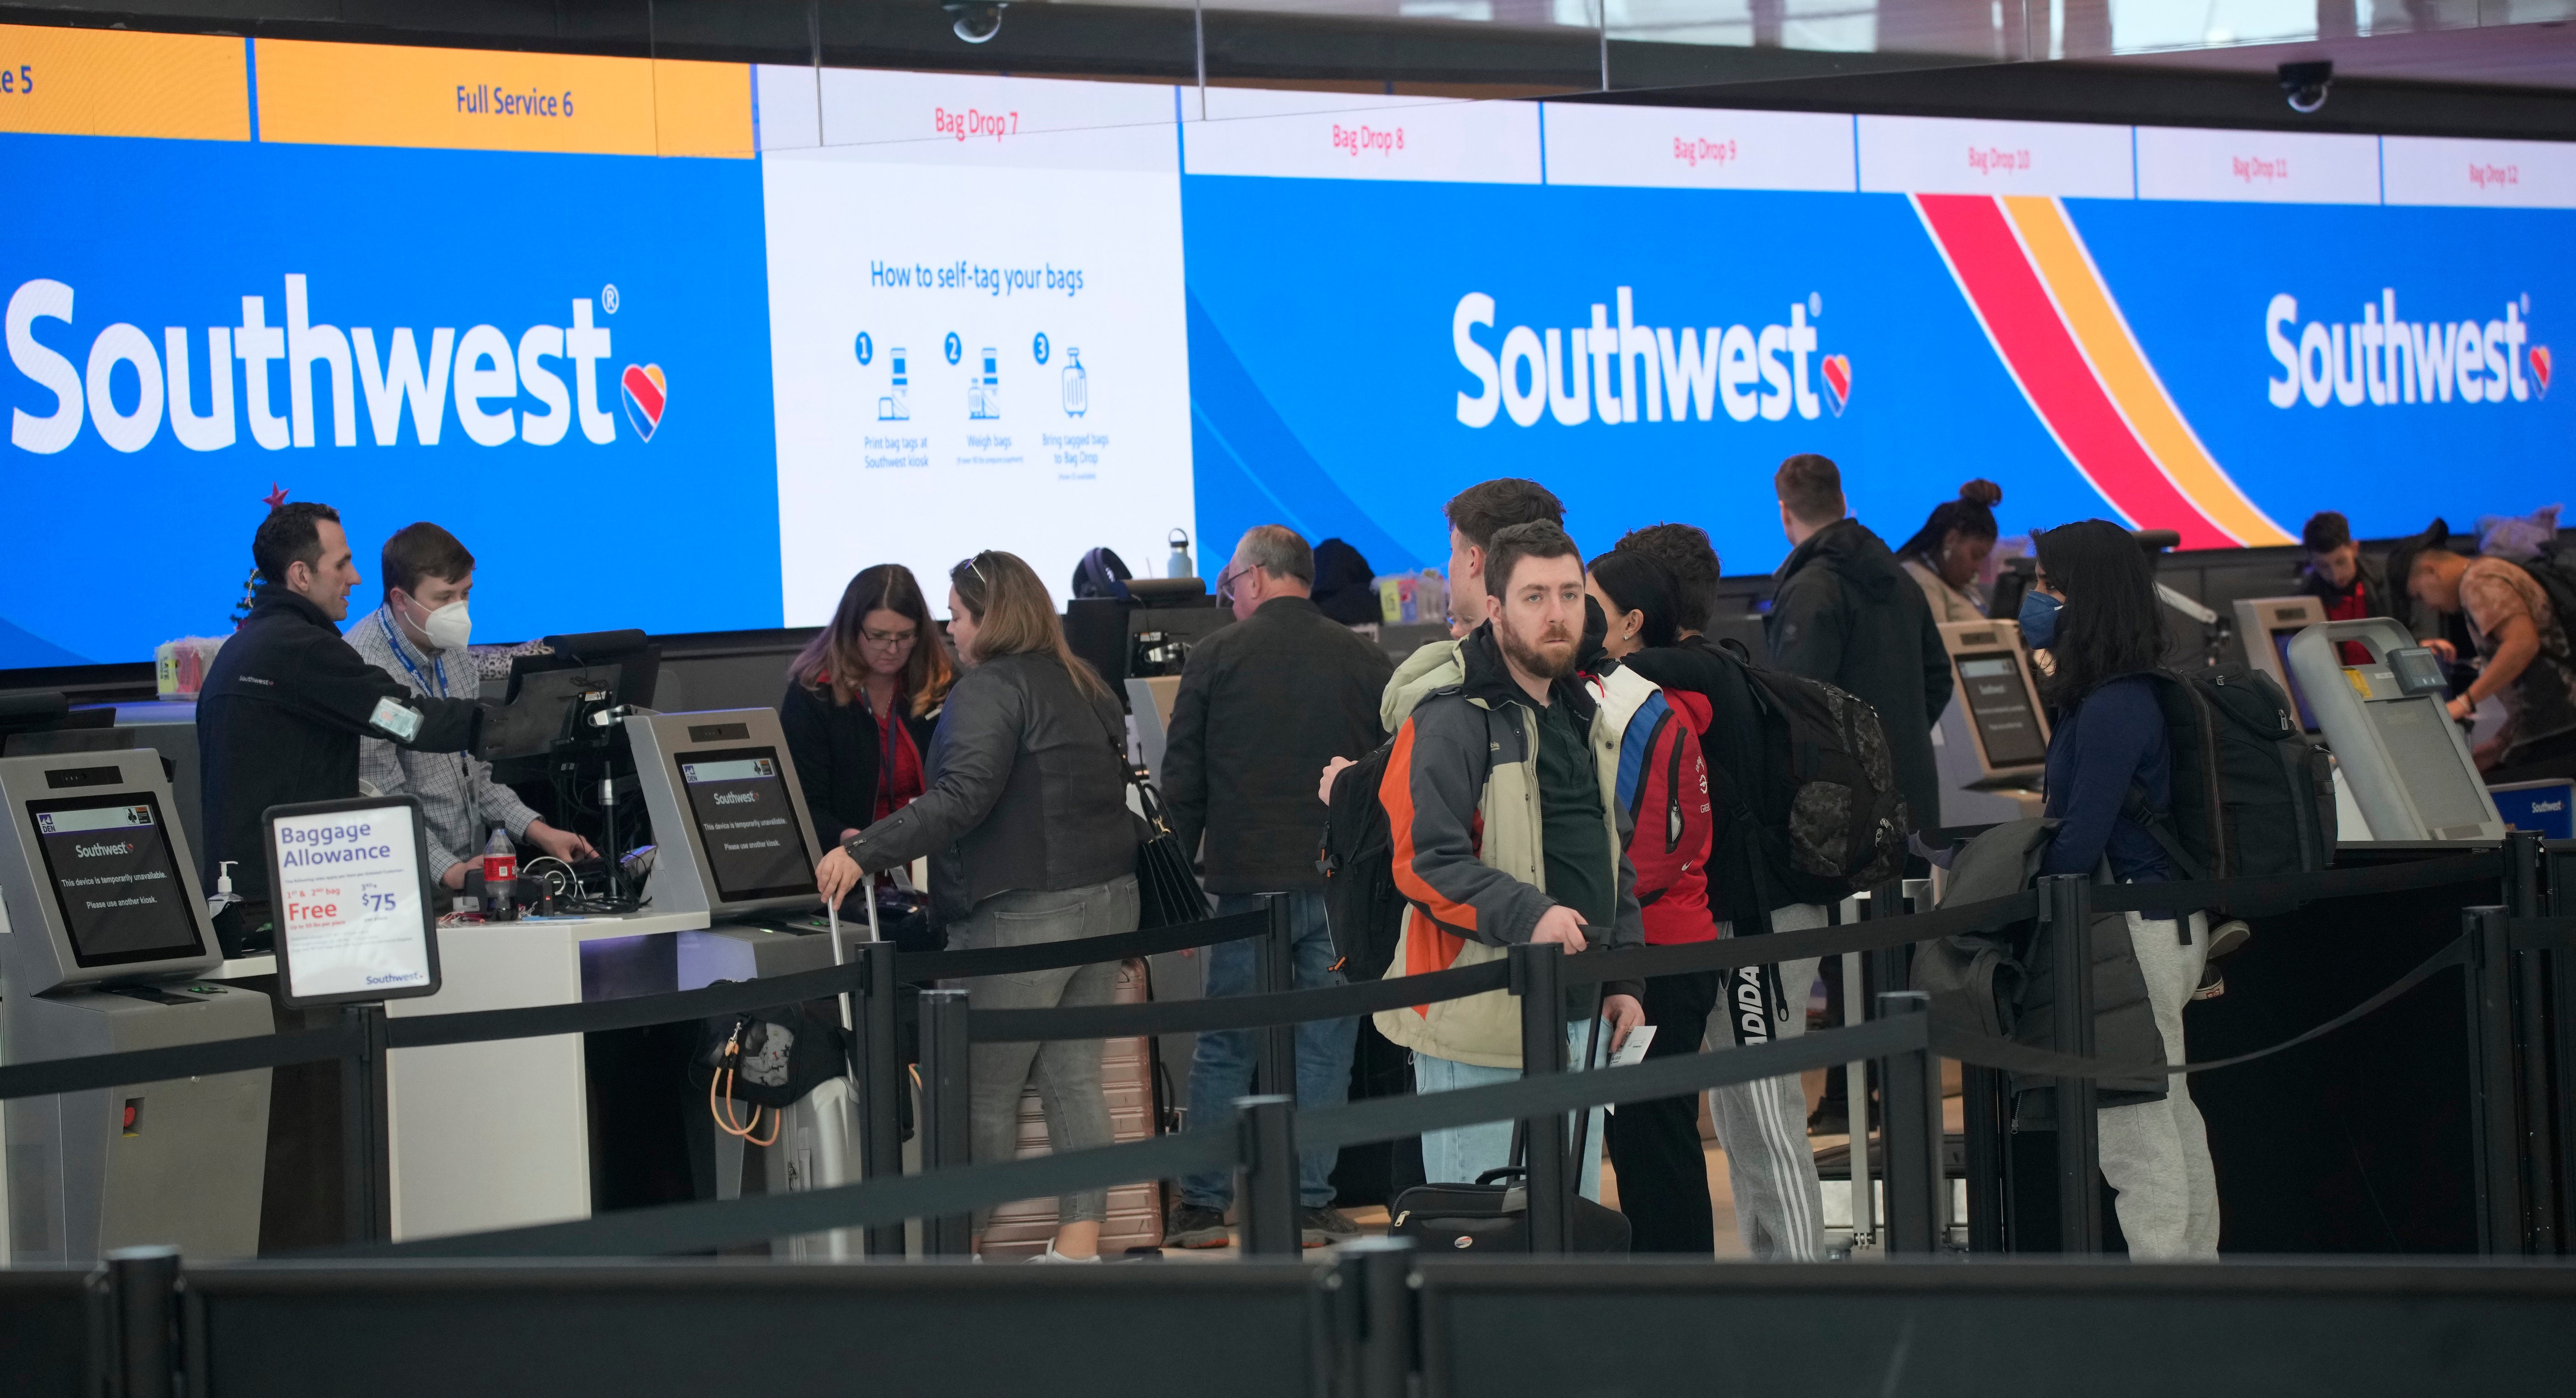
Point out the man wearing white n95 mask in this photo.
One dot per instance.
(419, 636)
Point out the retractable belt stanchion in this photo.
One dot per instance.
(2559, 976)
(946, 1093)
(1537, 978)
(1274, 1067)
(2066, 905)
(1910, 1085)
(2542, 1224)
(2488, 994)
(142, 1301)
(1373, 1301)
(881, 1082)
(1266, 1174)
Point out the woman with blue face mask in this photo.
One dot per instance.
(2094, 610)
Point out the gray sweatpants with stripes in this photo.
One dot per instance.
(1762, 1125)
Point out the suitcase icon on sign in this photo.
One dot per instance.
(1077, 385)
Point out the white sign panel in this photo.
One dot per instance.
(352, 923)
(968, 359)
(2260, 167)
(2494, 174)
(1941, 155)
(1359, 136)
(1697, 148)
(966, 119)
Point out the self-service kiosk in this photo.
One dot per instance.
(733, 836)
(2405, 763)
(2267, 625)
(1992, 742)
(107, 943)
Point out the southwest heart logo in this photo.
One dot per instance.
(1838, 378)
(646, 395)
(2540, 368)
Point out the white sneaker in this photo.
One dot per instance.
(1051, 1255)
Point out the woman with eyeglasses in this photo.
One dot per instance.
(862, 700)
(1026, 823)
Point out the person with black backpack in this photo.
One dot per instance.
(2110, 778)
(2517, 615)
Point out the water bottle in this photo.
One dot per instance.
(500, 877)
(1179, 565)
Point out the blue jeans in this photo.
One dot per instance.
(1465, 1152)
(1222, 1069)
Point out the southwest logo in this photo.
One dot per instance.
(2540, 368)
(1837, 382)
(647, 393)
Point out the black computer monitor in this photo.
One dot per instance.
(755, 846)
(637, 657)
(1999, 704)
(543, 708)
(114, 880)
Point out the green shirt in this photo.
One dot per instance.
(1571, 828)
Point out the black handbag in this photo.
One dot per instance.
(1492, 1215)
(765, 1059)
(1167, 885)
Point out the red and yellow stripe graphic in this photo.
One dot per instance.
(2059, 332)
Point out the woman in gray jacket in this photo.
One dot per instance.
(1030, 840)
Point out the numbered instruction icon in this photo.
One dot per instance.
(896, 406)
(984, 390)
(1077, 384)
(955, 349)
(867, 348)
(1038, 348)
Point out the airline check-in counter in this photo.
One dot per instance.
(1991, 744)
(108, 947)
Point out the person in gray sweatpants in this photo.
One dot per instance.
(1762, 1125)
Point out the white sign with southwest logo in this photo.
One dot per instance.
(351, 923)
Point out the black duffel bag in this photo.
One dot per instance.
(1492, 1215)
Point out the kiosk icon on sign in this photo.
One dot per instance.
(1077, 384)
(896, 406)
(984, 391)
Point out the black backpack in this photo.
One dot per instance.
(1358, 863)
(1809, 810)
(2559, 585)
(2251, 794)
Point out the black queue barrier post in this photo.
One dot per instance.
(2544, 1223)
(879, 1073)
(1984, 1114)
(142, 1315)
(946, 1093)
(2488, 993)
(1910, 1091)
(366, 1130)
(2066, 907)
(1266, 1174)
(1538, 979)
(1371, 1286)
(1274, 1065)
(2559, 974)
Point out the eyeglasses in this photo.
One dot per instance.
(1225, 583)
(891, 640)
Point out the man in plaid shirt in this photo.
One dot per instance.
(418, 636)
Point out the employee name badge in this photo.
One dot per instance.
(394, 717)
(351, 892)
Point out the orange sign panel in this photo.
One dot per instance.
(107, 82)
(474, 99)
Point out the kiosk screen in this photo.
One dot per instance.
(115, 884)
(1999, 703)
(2298, 698)
(746, 824)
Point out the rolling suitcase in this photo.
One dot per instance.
(1019, 1231)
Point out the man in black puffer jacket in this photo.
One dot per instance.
(1846, 613)
(1262, 705)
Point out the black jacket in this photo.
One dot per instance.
(835, 749)
(1028, 790)
(1847, 614)
(2369, 578)
(1263, 705)
(278, 722)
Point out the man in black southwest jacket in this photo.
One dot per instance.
(1263, 704)
(286, 701)
(1847, 614)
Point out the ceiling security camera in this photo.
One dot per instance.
(2304, 84)
(977, 20)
